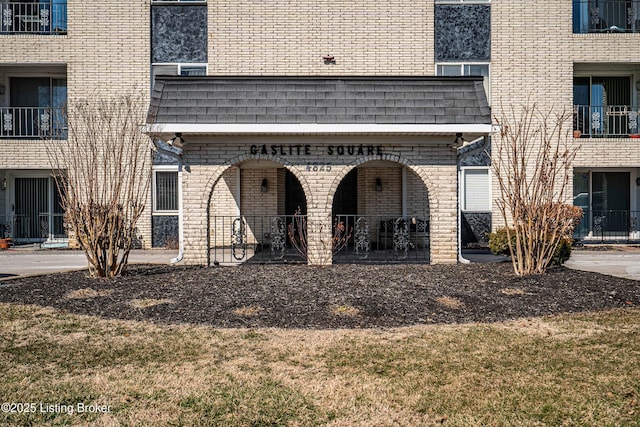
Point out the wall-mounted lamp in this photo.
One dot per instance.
(459, 141)
(177, 141)
(637, 85)
(264, 187)
(638, 181)
(2, 89)
(3, 184)
(378, 184)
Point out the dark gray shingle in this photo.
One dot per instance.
(394, 100)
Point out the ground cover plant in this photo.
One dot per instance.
(351, 347)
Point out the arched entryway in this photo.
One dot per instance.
(381, 213)
(257, 209)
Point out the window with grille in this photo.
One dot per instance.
(166, 191)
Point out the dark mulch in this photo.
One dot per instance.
(290, 296)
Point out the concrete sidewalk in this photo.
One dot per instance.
(621, 263)
(22, 263)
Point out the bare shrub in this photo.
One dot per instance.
(533, 168)
(103, 171)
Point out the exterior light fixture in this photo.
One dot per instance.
(3, 184)
(177, 141)
(2, 89)
(378, 184)
(637, 86)
(637, 181)
(264, 186)
(459, 141)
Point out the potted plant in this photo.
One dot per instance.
(577, 133)
(5, 243)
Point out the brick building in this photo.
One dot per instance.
(333, 107)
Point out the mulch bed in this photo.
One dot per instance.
(340, 296)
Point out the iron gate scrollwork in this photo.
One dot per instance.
(277, 238)
(362, 239)
(239, 238)
(401, 239)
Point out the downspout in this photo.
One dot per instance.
(462, 154)
(178, 158)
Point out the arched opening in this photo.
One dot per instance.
(381, 213)
(255, 210)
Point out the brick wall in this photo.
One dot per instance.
(280, 37)
(431, 161)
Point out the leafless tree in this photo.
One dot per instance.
(103, 172)
(532, 164)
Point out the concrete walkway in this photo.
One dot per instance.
(620, 263)
(22, 263)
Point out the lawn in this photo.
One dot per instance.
(572, 369)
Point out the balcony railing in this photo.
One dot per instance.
(33, 122)
(608, 16)
(43, 17)
(606, 121)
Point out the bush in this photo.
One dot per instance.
(499, 245)
(563, 252)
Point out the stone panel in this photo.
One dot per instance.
(462, 32)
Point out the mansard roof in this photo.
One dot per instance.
(319, 100)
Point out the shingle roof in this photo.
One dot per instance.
(340, 100)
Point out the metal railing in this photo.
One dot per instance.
(33, 122)
(609, 226)
(354, 238)
(52, 226)
(15, 227)
(606, 16)
(606, 121)
(43, 17)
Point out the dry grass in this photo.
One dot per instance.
(88, 293)
(450, 302)
(148, 302)
(345, 310)
(247, 311)
(565, 370)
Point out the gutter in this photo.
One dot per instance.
(178, 158)
(463, 152)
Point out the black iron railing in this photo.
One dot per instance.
(606, 16)
(609, 226)
(39, 17)
(284, 238)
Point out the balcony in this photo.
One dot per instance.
(608, 16)
(32, 123)
(40, 17)
(608, 121)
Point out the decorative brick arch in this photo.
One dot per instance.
(433, 202)
(213, 180)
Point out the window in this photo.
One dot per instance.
(178, 70)
(462, 70)
(467, 69)
(36, 107)
(166, 191)
(476, 190)
(606, 16)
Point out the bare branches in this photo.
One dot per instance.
(104, 173)
(533, 169)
